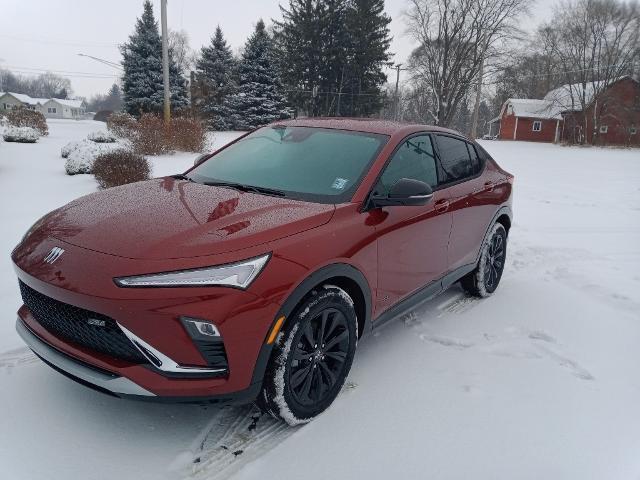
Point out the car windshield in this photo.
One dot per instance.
(307, 163)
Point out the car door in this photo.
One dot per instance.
(412, 240)
(472, 201)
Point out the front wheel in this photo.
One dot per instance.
(484, 280)
(312, 357)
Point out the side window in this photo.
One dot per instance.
(454, 159)
(414, 159)
(476, 163)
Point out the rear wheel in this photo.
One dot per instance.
(484, 280)
(312, 357)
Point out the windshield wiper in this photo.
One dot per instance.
(248, 188)
(181, 176)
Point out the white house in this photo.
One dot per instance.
(59, 108)
(10, 100)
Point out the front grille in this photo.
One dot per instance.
(72, 323)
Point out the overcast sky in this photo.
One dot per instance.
(39, 35)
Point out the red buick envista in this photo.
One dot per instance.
(253, 275)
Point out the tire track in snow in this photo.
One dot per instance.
(234, 437)
(16, 358)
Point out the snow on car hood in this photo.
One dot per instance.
(167, 218)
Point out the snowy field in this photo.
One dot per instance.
(539, 381)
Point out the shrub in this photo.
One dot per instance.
(102, 115)
(23, 117)
(150, 137)
(21, 135)
(119, 168)
(187, 134)
(101, 137)
(122, 125)
(81, 155)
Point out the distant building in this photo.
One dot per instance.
(10, 100)
(610, 118)
(59, 108)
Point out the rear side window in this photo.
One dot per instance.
(476, 163)
(414, 159)
(455, 159)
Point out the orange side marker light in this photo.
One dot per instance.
(275, 330)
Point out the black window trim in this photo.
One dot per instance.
(483, 162)
(374, 184)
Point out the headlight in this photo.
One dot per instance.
(239, 275)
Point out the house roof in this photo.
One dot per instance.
(67, 102)
(533, 108)
(25, 98)
(569, 97)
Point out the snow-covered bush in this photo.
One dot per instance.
(23, 117)
(81, 155)
(101, 137)
(119, 168)
(21, 134)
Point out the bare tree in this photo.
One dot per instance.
(595, 42)
(455, 37)
(181, 51)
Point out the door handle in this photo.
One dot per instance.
(442, 205)
(489, 186)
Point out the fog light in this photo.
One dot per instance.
(203, 328)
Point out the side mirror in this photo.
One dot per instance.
(200, 158)
(405, 192)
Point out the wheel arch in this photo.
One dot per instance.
(502, 216)
(342, 275)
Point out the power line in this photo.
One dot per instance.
(53, 70)
(59, 42)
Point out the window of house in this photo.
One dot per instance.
(455, 160)
(51, 110)
(633, 130)
(537, 126)
(415, 159)
(604, 128)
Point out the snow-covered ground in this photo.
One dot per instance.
(538, 381)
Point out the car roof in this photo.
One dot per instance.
(369, 125)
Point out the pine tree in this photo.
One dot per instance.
(215, 77)
(142, 61)
(260, 97)
(369, 42)
(339, 48)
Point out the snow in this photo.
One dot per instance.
(532, 108)
(21, 134)
(80, 155)
(569, 96)
(537, 381)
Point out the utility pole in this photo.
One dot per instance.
(165, 62)
(396, 99)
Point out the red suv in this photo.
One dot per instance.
(254, 274)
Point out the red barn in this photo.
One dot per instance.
(612, 117)
(531, 120)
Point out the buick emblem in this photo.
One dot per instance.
(53, 255)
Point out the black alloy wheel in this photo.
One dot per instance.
(319, 357)
(312, 356)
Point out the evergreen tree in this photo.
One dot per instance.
(142, 61)
(337, 48)
(260, 97)
(369, 40)
(215, 77)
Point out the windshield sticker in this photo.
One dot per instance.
(339, 183)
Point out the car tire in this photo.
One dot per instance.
(312, 357)
(484, 280)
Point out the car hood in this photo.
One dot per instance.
(167, 218)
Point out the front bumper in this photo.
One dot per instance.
(98, 379)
